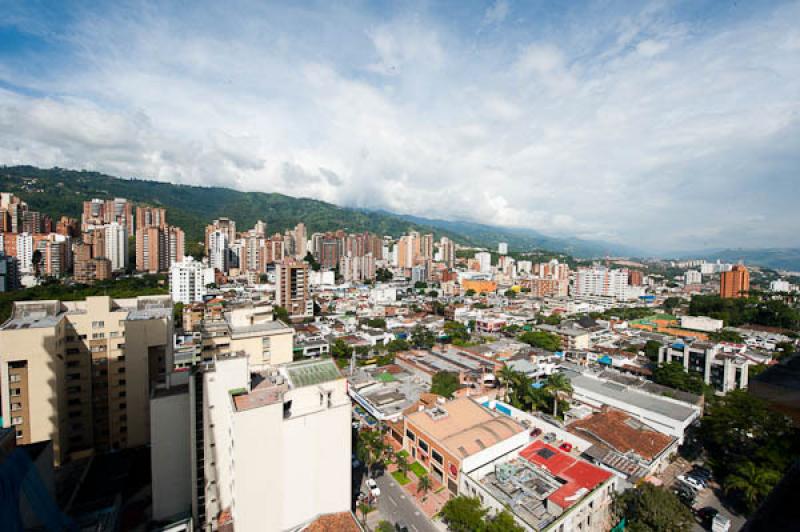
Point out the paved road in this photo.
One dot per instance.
(395, 505)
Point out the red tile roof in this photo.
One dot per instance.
(580, 477)
(619, 431)
(341, 522)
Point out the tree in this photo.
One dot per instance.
(397, 345)
(280, 313)
(651, 348)
(341, 349)
(648, 508)
(422, 337)
(383, 275)
(177, 314)
(674, 375)
(502, 522)
(36, 262)
(456, 330)
(558, 385)
(541, 339)
(402, 464)
(671, 303)
(445, 383)
(424, 485)
(469, 293)
(384, 526)
(376, 323)
(309, 258)
(420, 285)
(463, 514)
(510, 293)
(506, 378)
(726, 335)
(752, 483)
(364, 507)
(433, 293)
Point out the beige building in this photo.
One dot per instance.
(80, 372)
(292, 290)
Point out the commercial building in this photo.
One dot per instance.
(454, 438)
(79, 373)
(735, 283)
(724, 371)
(188, 280)
(292, 290)
(545, 488)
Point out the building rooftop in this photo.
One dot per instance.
(311, 372)
(624, 394)
(615, 429)
(577, 477)
(464, 427)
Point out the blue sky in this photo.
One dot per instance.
(663, 125)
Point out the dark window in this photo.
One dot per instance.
(410, 435)
(436, 456)
(423, 445)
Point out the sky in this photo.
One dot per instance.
(660, 125)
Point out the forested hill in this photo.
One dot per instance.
(58, 192)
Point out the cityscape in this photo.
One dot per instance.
(316, 326)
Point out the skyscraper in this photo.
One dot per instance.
(735, 283)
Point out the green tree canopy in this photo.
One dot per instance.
(445, 383)
(541, 339)
(651, 348)
(649, 508)
(674, 375)
(422, 337)
(463, 514)
(397, 345)
(376, 323)
(280, 313)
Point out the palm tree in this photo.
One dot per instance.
(402, 464)
(558, 384)
(506, 377)
(752, 482)
(424, 485)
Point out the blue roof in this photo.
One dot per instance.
(605, 359)
(537, 385)
(678, 345)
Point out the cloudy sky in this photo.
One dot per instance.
(664, 125)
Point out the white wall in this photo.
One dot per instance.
(170, 454)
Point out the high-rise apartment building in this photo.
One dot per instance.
(735, 283)
(188, 280)
(485, 261)
(116, 246)
(604, 282)
(147, 216)
(447, 252)
(9, 274)
(157, 248)
(218, 249)
(502, 248)
(79, 373)
(692, 277)
(102, 212)
(292, 290)
(224, 225)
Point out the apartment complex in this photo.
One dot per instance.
(292, 290)
(158, 248)
(605, 282)
(98, 212)
(188, 280)
(80, 372)
(734, 283)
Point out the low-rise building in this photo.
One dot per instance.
(725, 371)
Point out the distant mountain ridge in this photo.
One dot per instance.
(785, 259)
(61, 192)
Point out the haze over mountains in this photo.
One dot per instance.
(59, 192)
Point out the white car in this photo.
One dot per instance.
(691, 482)
(374, 490)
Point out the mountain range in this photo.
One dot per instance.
(59, 192)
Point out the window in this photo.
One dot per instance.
(17, 420)
(436, 456)
(16, 406)
(410, 435)
(113, 334)
(98, 324)
(98, 336)
(73, 363)
(19, 434)
(15, 392)
(423, 445)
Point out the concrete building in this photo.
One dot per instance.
(502, 248)
(80, 372)
(98, 212)
(605, 282)
(158, 248)
(572, 339)
(188, 280)
(453, 439)
(292, 290)
(485, 261)
(116, 246)
(546, 488)
(261, 447)
(701, 323)
(218, 250)
(735, 283)
(725, 371)
(692, 277)
(9, 273)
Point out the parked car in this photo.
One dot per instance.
(698, 479)
(400, 527)
(707, 515)
(690, 481)
(720, 523)
(566, 446)
(536, 432)
(686, 495)
(374, 490)
(550, 437)
(701, 472)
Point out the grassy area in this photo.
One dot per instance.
(401, 478)
(418, 470)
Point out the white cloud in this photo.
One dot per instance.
(640, 125)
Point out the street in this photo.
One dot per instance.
(395, 506)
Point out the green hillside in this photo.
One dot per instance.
(60, 192)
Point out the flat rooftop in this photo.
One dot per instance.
(463, 426)
(311, 372)
(624, 394)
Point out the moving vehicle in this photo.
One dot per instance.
(535, 432)
(374, 490)
(566, 447)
